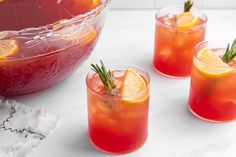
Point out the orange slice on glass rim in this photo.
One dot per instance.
(133, 86)
(211, 65)
(7, 48)
(186, 20)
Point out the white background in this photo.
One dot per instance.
(151, 4)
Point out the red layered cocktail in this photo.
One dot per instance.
(118, 104)
(178, 31)
(213, 89)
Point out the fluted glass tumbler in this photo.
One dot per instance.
(117, 125)
(213, 88)
(174, 44)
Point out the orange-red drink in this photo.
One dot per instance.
(176, 35)
(118, 122)
(213, 88)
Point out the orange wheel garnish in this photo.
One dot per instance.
(132, 86)
(7, 48)
(186, 20)
(211, 65)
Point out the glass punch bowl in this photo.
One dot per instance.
(40, 57)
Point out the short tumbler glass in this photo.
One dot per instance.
(213, 88)
(116, 126)
(174, 46)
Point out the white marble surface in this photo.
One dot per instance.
(147, 4)
(128, 37)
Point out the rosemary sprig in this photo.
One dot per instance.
(230, 52)
(188, 5)
(105, 77)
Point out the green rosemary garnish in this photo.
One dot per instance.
(230, 52)
(188, 5)
(105, 77)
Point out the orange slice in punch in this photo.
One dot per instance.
(95, 3)
(7, 48)
(211, 65)
(86, 4)
(134, 84)
(83, 35)
(87, 35)
(186, 20)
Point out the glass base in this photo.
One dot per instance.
(208, 120)
(167, 75)
(112, 153)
